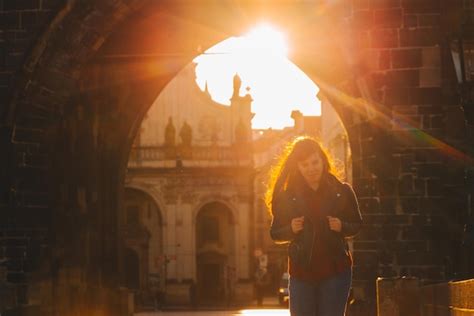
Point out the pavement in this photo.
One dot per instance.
(269, 307)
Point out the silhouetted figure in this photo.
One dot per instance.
(237, 84)
(170, 133)
(193, 294)
(186, 134)
(261, 281)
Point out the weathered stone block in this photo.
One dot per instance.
(430, 170)
(34, 19)
(388, 205)
(388, 18)
(422, 96)
(16, 277)
(428, 20)
(14, 265)
(385, 257)
(378, 79)
(384, 4)
(363, 41)
(405, 109)
(431, 57)
(406, 185)
(360, 4)
(365, 245)
(384, 59)
(369, 233)
(368, 148)
(363, 19)
(419, 37)
(15, 252)
(437, 121)
(406, 58)
(397, 96)
(398, 296)
(387, 187)
(430, 77)
(402, 78)
(412, 233)
(406, 162)
(365, 187)
(369, 205)
(410, 205)
(387, 272)
(410, 20)
(9, 20)
(420, 6)
(434, 187)
(427, 155)
(402, 121)
(21, 5)
(51, 4)
(389, 232)
(13, 61)
(384, 38)
(365, 257)
(432, 205)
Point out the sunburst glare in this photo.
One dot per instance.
(276, 85)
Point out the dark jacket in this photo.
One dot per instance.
(338, 201)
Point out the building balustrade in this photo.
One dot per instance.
(167, 156)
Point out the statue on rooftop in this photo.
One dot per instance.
(170, 133)
(186, 134)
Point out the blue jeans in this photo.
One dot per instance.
(324, 298)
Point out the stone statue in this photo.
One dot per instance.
(186, 134)
(170, 133)
(237, 85)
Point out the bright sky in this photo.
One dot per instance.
(277, 86)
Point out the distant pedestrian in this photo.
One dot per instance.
(313, 211)
(261, 282)
(193, 294)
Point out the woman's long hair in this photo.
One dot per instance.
(285, 174)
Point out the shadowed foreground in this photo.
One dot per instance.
(244, 312)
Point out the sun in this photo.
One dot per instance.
(265, 40)
(259, 57)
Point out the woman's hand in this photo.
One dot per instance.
(334, 224)
(297, 224)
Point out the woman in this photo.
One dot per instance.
(313, 211)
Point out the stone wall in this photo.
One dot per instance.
(409, 177)
(452, 298)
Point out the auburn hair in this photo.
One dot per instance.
(284, 175)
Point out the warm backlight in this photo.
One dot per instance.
(259, 57)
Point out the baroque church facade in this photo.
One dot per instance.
(194, 214)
